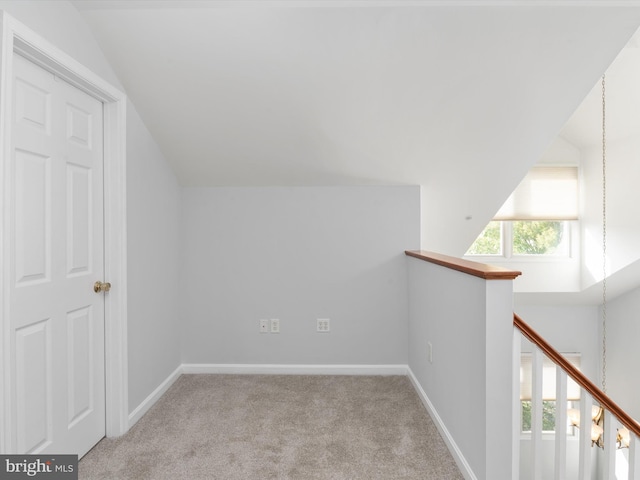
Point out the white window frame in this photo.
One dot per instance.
(506, 241)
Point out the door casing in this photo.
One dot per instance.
(17, 38)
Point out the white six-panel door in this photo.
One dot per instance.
(57, 320)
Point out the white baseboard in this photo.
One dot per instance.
(258, 369)
(153, 397)
(448, 439)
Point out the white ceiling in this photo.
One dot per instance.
(461, 97)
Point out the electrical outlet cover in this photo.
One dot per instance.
(275, 325)
(323, 325)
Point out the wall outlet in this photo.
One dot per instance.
(323, 325)
(275, 325)
(430, 352)
(264, 325)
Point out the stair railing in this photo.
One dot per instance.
(620, 430)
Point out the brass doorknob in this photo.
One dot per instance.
(101, 287)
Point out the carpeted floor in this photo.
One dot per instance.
(255, 427)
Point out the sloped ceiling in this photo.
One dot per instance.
(459, 97)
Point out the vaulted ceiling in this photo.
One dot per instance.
(461, 97)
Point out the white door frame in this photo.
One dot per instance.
(17, 38)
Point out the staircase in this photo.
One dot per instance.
(464, 358)
(604, 443)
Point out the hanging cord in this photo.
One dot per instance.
(604, 241)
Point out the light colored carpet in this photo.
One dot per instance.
(255, 427)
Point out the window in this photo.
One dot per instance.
(534, 221)
(548, 415)
(549, 403)
(523, 238)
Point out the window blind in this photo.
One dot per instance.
(548, 377)
(546, 193)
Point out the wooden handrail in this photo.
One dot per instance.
(488, 272)
(579, 377)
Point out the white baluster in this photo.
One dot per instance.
(634, 458)
(560, 467)
(536, 414)
(517, 413)
(609, 437)
(584, 471)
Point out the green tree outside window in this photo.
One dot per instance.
(489, 242)
(536, 237)
(548, 415)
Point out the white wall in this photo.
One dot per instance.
(623, 197)
(469, 323)
(567, 329)
(623, 355)
(154, 242)
(297, 254)
(153, 209)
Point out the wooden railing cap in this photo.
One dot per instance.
(488, 272)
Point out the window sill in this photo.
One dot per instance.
(549, 437)
(519, 259)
